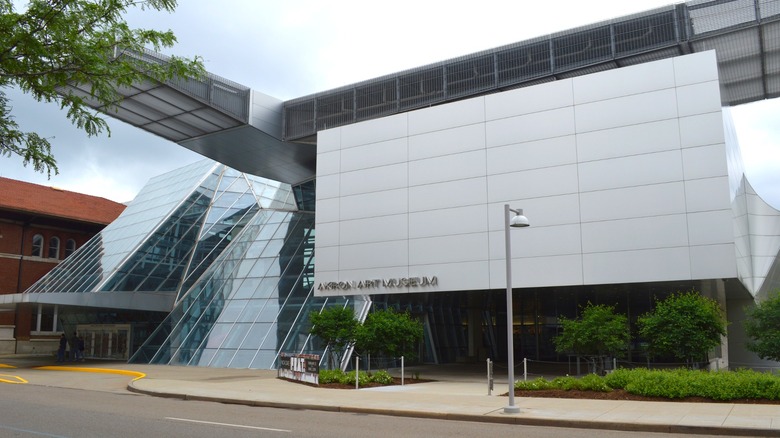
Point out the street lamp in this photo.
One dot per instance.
(518, 221)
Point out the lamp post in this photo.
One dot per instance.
(518, 221)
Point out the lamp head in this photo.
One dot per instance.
(519, 220)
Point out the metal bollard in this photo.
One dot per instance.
(402, 371)
(525, 369)
(490, 376)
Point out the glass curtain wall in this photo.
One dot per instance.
(251, 302)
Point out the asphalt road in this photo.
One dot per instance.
(28, 410)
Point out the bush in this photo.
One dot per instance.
(331, 376)
(337, 376)
(667, 384)
(536, 384)
(599, 333)
(389, 333)
(685, 325)
(349, 378)
(619, 378)
(382, 377)
(763, 328)
(590, 382)
(566, 383)
(671, 384)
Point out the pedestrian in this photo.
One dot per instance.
(61, 349)
(74, 347)
(81, 348)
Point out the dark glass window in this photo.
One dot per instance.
(43, 319)
(305, 195)
(37, 246)
(70, 247)
(54, 248)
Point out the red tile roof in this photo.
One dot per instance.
(26, 197)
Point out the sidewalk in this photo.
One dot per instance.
(452, 396)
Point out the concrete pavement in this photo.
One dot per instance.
(455, 395)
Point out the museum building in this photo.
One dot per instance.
(614, 139)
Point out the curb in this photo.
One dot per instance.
(577, 424)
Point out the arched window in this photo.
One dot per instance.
(37, 248)
(70, 247)
(54, 248)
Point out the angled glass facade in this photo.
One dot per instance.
(252, 302)
(233, 253)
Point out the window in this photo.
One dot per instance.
(37, 247)
(44, 319)
(70, 247)
(54, 248)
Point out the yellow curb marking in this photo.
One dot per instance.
(7, 378)
(2, 365)
(138, 375)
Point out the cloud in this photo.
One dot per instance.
(758, 132)
(114, 167)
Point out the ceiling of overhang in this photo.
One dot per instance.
(149, 301)
(748, 62)
(211, 117)
(250, 150)
(176, 113)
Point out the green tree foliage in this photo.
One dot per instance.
(763, 328)
(686, 325)
(386, 332)
(597, 334)
(336, 326)
(50, 44)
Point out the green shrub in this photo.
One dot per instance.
(349, 378)
(619, 378)
(746, 384)
(592, 382)
(667, 384)
(567, 383)
(671, 384)
(337, 376)
(331, 376)
(536, 384)
(382, 377)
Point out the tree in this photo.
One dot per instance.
(386, 332)
(336, 327)
(763, 328)
(56, 43)
(686, 325)
(598, 334)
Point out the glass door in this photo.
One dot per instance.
(105, 341)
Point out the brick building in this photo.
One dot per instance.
(39, 227)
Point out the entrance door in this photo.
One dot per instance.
(106, 341)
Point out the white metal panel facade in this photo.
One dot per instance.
(622, 174)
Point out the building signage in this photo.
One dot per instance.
(301, 367)
(377, 283)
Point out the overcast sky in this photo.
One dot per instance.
(289, 49)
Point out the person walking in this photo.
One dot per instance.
(80, 343)
(74, 347)
(61, 349)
